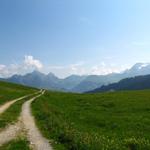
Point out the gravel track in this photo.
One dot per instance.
(8, 104)
(26, 125)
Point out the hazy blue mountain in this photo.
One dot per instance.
(72, 81)
(37, 79)
(134, 83)
(139, 69)
(50, 81)
(95, 81)
(76, 83)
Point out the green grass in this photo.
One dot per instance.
(12, 113)
(10, 91)
(19, 144)
(108, 121)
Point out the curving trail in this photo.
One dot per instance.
(10, 133)
(8, 104)
(38, 142)
(25, 126)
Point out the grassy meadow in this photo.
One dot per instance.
(10, 91)
(106, 121)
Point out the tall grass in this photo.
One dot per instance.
(110, 121)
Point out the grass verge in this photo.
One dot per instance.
(18, 144)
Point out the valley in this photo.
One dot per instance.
(74, 75)
(45, 120)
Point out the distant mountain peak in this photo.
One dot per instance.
(51, 74)
(140, 65)
(77, 83)
(74, 76)
(36, 72)
(15, 76)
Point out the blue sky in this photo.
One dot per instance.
(73, 36)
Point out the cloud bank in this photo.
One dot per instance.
(29, 64)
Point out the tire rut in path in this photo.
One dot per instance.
(8, 104)
(10, 133)
(37, 141)
(26, 125)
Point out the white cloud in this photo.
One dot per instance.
(80, 68)
(29, 61)
(29, 64)
(2, 67)
(63, 71)
(103, 70)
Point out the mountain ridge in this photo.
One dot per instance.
(77, 83)
(133, 83)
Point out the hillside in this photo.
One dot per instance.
(114, 120)
(110, 121)
(135, 83)
(10, 91)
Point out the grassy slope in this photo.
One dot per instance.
(115, 121)
(10, 91)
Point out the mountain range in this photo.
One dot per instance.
(135, 83)
(76, 83)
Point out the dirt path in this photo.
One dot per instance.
(10, 133)
(37, 141)
(8, 104)
(26, 126)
